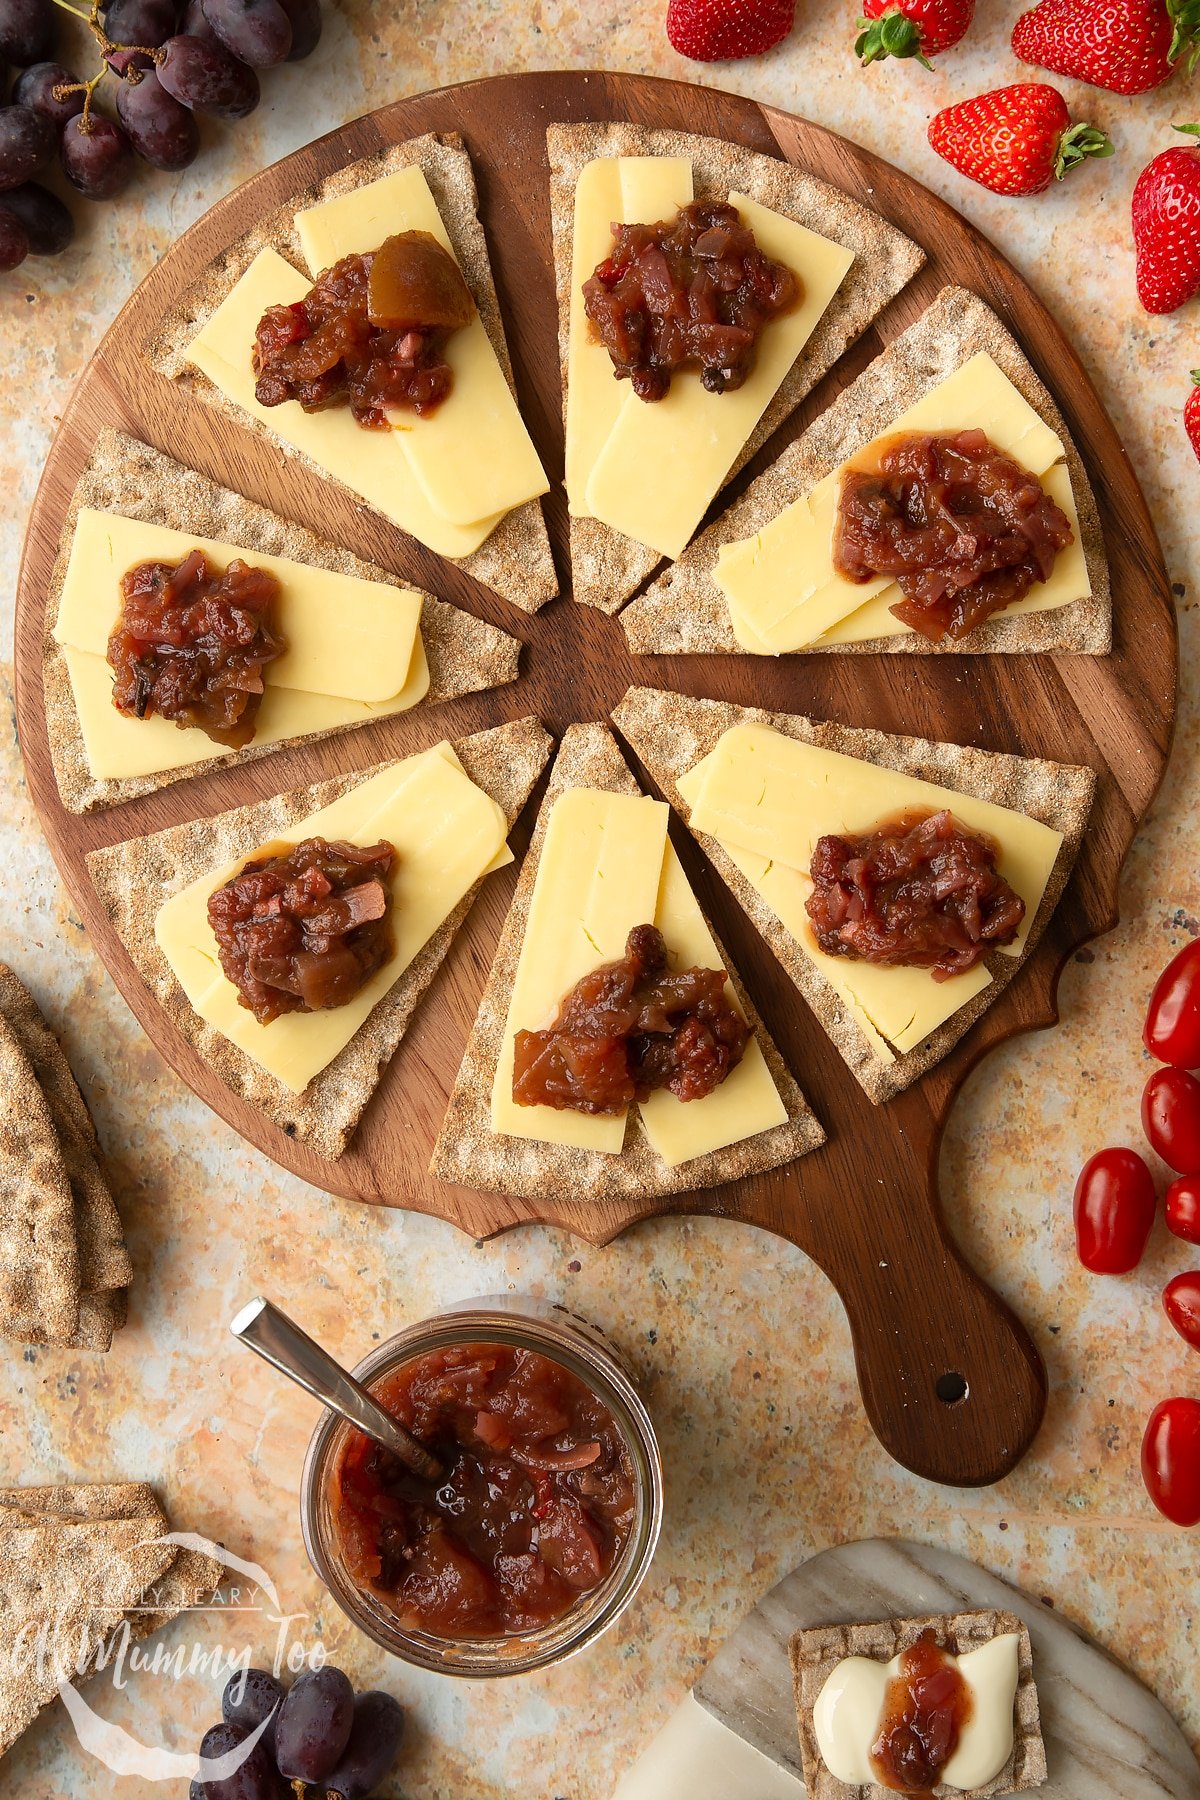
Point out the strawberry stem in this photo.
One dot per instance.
(1185, 17)
(893, 35)
(1196, 377)
(1076, 144)
(1193, 129)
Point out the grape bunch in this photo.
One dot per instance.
(170, 60)
(322, 1740)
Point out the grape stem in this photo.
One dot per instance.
(132, 74)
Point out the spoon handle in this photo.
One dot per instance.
(280, 1341)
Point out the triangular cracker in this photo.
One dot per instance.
(683, 612)
(133, 880)
(469, 1151)
(606, 566)
(515, 561)
(465, 654)
(39, 1263)
(670, 734)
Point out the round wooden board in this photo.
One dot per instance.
(866, 1206)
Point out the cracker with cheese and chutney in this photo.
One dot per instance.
(703, 290)
(831, 548)
(290, 941)
(359, 330)
(900, 882)
(615, 1051)
(148, 672)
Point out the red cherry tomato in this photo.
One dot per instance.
(1172, 1028)
(1171, 1118)
(1114, 1210)
(1181, 1303)
(1183, 1208)
(1171, 1459)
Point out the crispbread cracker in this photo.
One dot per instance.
(515, 561)
(606, 566)
(815, 1653)
(135, 878)
(464, 653)
(469, 1151)
(669, 733)
(684, 611)
(39, 1262)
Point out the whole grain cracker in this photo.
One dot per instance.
(515, 561)
(469, 1151)
(816, 1652)
(670, 733)
(133, 880)
(606, 566)
(39, 1261)
(684, 612)
(465, 654)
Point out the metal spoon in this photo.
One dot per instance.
(280, 1341)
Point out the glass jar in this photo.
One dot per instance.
(578, 1346)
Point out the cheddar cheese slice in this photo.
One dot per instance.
(354, 647)
(447, 834)
(780, 585)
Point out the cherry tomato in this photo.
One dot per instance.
(1183, 1208)
(1181, 1303)
(1114, 1210)
(1171, 1118)
(1172, 1028)
(1171, 1459)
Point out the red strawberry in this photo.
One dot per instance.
(723, 30)
(1191, 413)
(1166, 227)
(1015, 140)
(1127, 46)
(917, 28)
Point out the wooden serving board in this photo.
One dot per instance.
(866, 1206)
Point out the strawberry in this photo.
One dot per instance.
(1191, 413)
(919, 28)
(1127, 46)
(1166, 227)
(1014, 140)
(723, 30)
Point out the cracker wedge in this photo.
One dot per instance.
(515, 561)
(133, 880)
(606, 566)
(39, 1261)
(465, 654)
(684, 612)
(816, 1652)
(670, 733)
(469, 1151)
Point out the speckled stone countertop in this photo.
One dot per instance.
(768, 1455)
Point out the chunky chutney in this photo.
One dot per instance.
(537, 1503)
(925, 1707)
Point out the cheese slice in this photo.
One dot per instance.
(781, 587)
(354, 647)
(696, 1757)
(447, 834)
(662, 463)
(624, 190)
(767, 798)
(472, 458)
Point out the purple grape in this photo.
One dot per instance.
(97, 160)
(205, 77)
(195, 24)
(196, 1790)
(48, 223)
(374, 1744)
(26, 30)
(254, 1779)
(144, 23)
(304, 17)
(35, 86)
(160, 129)
(256, 31)
(313, 1727)
(26, 144)
(247, 1702)
(14, 240)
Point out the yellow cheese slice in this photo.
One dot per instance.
(767, 798)
(473, 457)
(374, 464)
(781, 586)
(661, 464)
(447, 834)
(747, 1101)
(626, 190)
